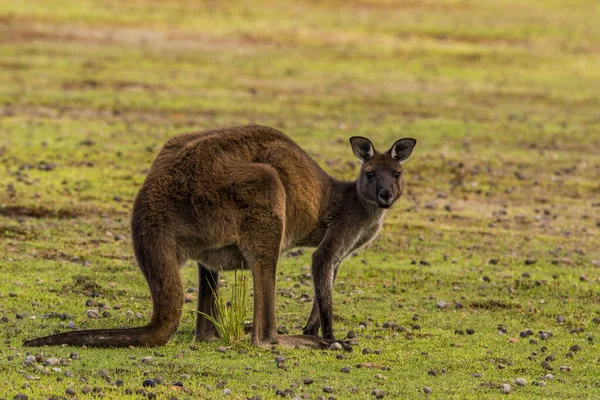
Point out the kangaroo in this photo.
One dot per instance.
(240, 196)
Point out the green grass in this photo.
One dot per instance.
(502, 97)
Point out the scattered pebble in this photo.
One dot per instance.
(542, 384)
(147, 360)
(93, 313)
(520, 381)
(308, 381)
(149, 383)
(346, 370)
(222, 349)
(442, 304)
(526, 333)
(70, 391)
(328, 389)
(505, 388)
(30, 360)
(565, 368)
(335, 346)
(367, 350)
(549, 377)
(279, 360)
(51, 361)
(427, 390)
(378, 393)
(227, 392)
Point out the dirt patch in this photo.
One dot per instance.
(38, 212)
(13, 232)
(493, 305)
(82, 285)
(15, 31)
(88, 84)
(189, 117)
(62, 213)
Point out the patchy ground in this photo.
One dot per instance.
(486, 273)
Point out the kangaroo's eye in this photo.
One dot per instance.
(370, 175)
(396, 175)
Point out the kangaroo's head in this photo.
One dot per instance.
(380, 181)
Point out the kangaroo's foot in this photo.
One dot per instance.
(303, 341)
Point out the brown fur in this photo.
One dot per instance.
(239, 197)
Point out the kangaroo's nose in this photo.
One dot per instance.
(386, 196)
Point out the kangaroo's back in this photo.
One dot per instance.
(207, 165)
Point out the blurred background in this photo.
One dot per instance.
(503, 96)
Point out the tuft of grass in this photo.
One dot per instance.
(233, 313)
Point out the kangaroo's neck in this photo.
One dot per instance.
(347, 199)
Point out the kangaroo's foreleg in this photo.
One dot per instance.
(326, 261)
(314, 322)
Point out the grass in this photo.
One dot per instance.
(501, 96)
(232, 314)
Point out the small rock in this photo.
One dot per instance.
(561, 319)
(427, 390)
(520, 381)
(505, 388)
(308, 381)
(367, 350)
(328, 389)
(442, 304)
(21, 396)
(335, 346)
(470, 331)
(565, 368)
(71, 325)
(378, 393)
(70, 391)
(549, 377)
(30, 360)
(93, 313)
(227, 392)
(222, 349)
(4, 319)
(542, 384)
(526, 333)
(51, 361)
(352, 334)
(279, 360)
(530, 261)
(149, 383)
(147, 360)
(346, 370)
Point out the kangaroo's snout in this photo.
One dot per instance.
(385, 197)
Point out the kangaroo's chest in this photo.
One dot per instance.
(367, 234)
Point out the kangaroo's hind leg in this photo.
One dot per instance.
(208, 288)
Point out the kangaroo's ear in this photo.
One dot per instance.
(362, 147)
(402, 148)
